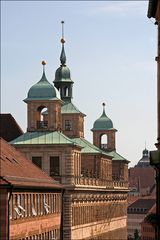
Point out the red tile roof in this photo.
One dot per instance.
(16, 169)
(143, 203)
(9, 128)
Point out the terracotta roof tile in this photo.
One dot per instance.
(19, 171)
(9, 128)
(143, 203)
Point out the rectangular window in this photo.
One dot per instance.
(54, 166)
(37, 161)
(68, 125)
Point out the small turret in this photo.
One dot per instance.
(103, 132)
(44, 106)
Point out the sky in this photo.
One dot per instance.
(110, 49)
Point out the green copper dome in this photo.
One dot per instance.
(63, 74)
(103, 123)
(43, 90)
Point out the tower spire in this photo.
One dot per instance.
(103, 104)
(104, 113)
(63, 55)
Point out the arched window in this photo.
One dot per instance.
(42, 117)
(104, 141)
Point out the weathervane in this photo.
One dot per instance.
(103, 104)
(62, 39)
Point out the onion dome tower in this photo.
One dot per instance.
(144, 161)
(63, 80)
(104, 132)
(42, 97)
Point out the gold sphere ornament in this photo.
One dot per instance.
(43, 63)
(62, 40)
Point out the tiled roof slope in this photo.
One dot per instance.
(16, 169)
(9, 128)
(143, 203)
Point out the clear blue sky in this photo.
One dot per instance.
(110, 48)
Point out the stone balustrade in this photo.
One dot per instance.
(100, 182)
(24, 204)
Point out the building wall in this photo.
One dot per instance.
(138, 179)
(77, 125)
(91, 214)
(133, 223)
(4, 194)
(69, 159)
(98, 215)
(147, 231)
(96, 166)
(120, 170)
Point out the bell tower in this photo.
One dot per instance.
(104, 133)
(43, 106)
(72, 118)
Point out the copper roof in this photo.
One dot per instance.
(18, 171)
(9, 128)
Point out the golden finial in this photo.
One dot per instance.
(62, 40)
(43, 63)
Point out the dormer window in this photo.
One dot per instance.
(68, 125)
